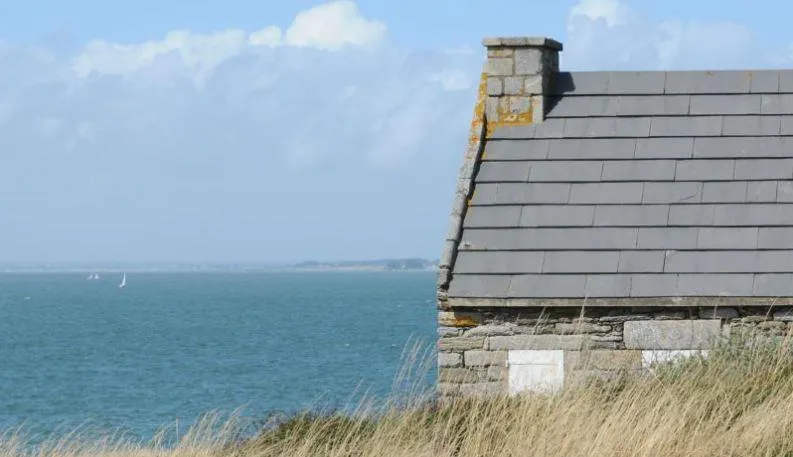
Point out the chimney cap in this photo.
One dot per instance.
(522, 42)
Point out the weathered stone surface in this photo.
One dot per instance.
(772, 325)
(449, 359)
(519, 105)
(448, 389)
(459, 318)
(754, 319)
(458, 375)
(495, 86)
(478, 358)
(541, 342)
(718, 313)
(581, 328)
(461, 343)
(483, 389)
(682, 334)
(513, 85)
(528, 61)
(534, 85)
(650, 358)
(784, 315)
(446, 332)
(624, 318)
(670, 315)
(494, 330)
(500, 52)
(500, 66)
(602, 360)
(497, 373)
(536, 371)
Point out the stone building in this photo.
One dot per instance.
(606, 220)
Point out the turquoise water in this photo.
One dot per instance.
(170, 346)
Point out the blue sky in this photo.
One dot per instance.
(280, 131)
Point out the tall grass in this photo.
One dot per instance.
(736, 402)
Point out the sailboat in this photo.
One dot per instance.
(92, 276)
(123, 281)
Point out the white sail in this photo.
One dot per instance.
(123, 281)
(90, 277)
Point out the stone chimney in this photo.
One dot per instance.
(519, 72)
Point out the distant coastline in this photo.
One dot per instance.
(405, 264)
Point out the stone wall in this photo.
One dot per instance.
(509, 350)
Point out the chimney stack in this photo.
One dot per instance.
(519, 72)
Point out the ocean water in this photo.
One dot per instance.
(171, 346)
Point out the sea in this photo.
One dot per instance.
(169, 347)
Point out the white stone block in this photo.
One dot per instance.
(650, 358)
(535, 371)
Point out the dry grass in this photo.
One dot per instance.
(738, 402)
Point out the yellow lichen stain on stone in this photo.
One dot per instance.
(459, 319)
(511, 120)
(479, 111)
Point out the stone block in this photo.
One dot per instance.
(718, 313)
(650, 358)
(449, 359)
(457, 375)
(536, 371)
(447, 389)
(500, 66)
(528, 62)
(685, 334)
(497, 373)
(483, 389)
(602, 360)
(493, 330)
(580, 328)
(495, 86)
(784, 315)
(513, 85)
(459, 319)
(477, 358)
(534, 85)
(519, 105)
(461, 343)
(536, 342)
(445, 332)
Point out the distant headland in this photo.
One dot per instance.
(398, 264)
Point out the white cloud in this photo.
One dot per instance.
(612, 35)
(611, 11)
(332, 26)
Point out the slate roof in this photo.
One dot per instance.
(648, 184)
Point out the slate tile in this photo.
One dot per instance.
(641, 262)
(667, 238)
(581, 262)
(631, 215)
(751, 125)
(503, 172)
(492, 216)
(639, 170)
(727, 238)
(652, 105)
(547, 286)
(725, 104)
(608, 285)
(595, 148)
(686, 126)
(557, 216)
(475, 262)
(479, 286)
(515, 150)
(664, 148)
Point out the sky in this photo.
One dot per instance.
(274, 131)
